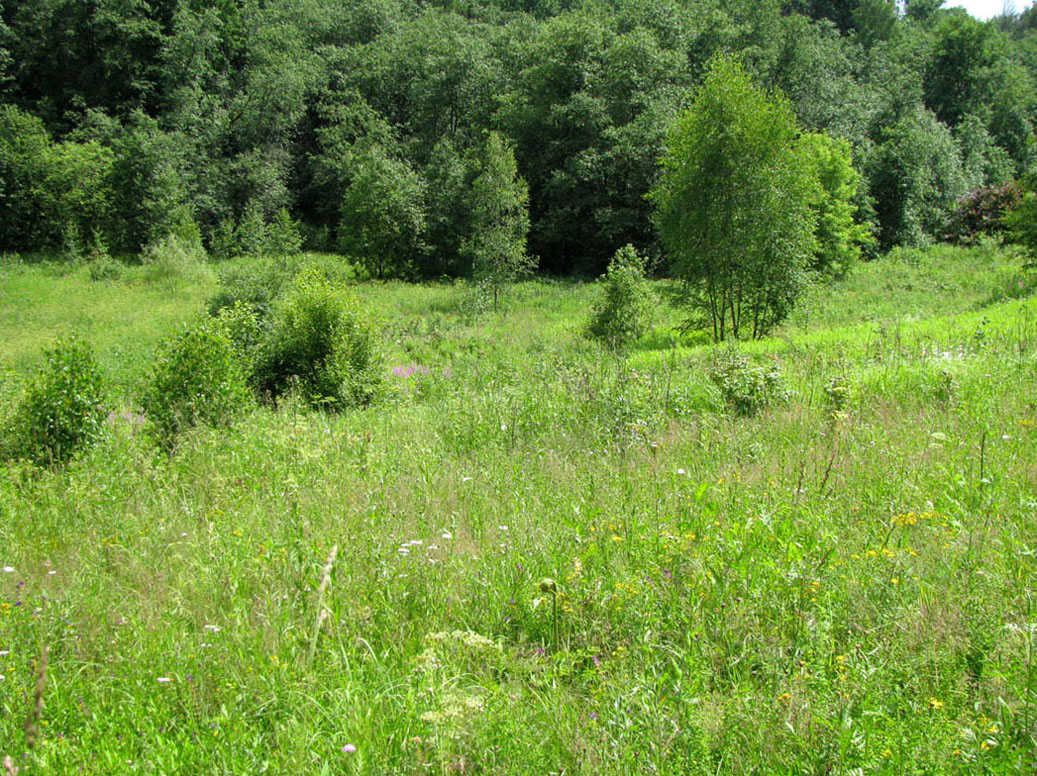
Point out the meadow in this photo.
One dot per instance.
(815, 553)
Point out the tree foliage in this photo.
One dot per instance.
(500, 220)
(366, 120)
(383, 216)
(839, 236)
(624, 313)
(915, 177)
(734, 204)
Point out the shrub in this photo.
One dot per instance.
(253, 236)
(197, 378)
(1021, 220)
(322, 339)
(256, 286)
(625, 312)
(283, 236)
(223, 242)
(62, 409)
(981, 211)
(244, 327)
(174, 256)
(105, 268)
(747, 389)
(101, 264)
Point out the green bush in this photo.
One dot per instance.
(101, 264)
(197, 378)
(175, 256)
(62, 410)
(1021, 220)
(244, 328)
(322, 340)
(747, 389)
(253, 233)
(256, 285)
(283, 236)
(223, 242)
(625, 311)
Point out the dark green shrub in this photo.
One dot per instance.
(197, 378)
(62, 410)
(1021, 220)
(283, 236)
(323, 340)
(253, 235)
(747, 389)
(625, 311)
(223, 242)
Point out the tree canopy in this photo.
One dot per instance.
(228, 111)
(734, 204)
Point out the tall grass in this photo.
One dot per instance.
(840, 583)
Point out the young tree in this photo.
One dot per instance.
(383, 215)
(733, 207)
(624, 313)
(500, 219)
(839, 237)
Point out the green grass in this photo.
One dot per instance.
(841, 583)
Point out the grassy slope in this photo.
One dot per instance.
(802, 591)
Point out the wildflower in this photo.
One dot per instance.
(8, 569)
(163, 680)
(935, 704)
(616, 538)
(348, 748)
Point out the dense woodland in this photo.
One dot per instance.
(363, 125)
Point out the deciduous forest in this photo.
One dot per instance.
(365, 122)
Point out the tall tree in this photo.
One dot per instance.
(915, 176)
(733, 207)
(839, 237)
(958, 75)
(383, 215)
